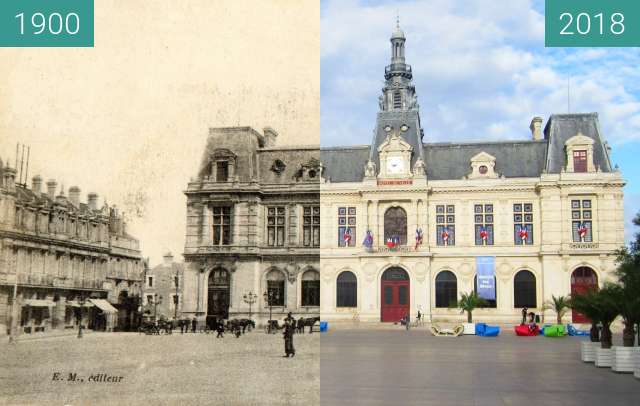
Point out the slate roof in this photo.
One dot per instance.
(561, 127)
(448, 161)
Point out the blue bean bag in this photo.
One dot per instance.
(324, 326)
(574, 332)
(483, 330)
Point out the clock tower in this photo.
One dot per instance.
(397, 150)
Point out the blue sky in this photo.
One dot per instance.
(481, 72)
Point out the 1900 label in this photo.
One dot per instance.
(46, 23)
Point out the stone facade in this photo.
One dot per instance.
(549, 211)
(252, 228)
(164, 284)
(56, 253)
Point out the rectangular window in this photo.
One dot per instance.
(222, 171)
(581, 216)
(347, 226)
(580, 161)
(222, 225)
(388, 295)
(483, 217)
(402, 295)
(446, 225)
(397, 100)
(276, 226)
(149, 281)
(311, 226)
(523, 223)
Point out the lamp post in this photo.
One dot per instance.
(176, 299)
(250, 298)
(269, 297)
(81, 301)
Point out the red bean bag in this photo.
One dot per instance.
(523, 330)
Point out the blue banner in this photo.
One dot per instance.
(486, 271)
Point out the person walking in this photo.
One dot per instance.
(220, 329)
(406, 321)
(289, 350)
(194, 324)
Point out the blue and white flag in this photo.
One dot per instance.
(486, 271)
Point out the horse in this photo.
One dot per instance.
(247, 324)
(310, 321)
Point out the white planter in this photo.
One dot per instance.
(469, 329)
(637, 371)
(604, 357)
(588, 351)
(623, 359)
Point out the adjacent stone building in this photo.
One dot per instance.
(63, 259)
(408, 224)
(253, 227)
(163, 288)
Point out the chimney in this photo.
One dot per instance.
(36, 185)
(168, 259)
(52, 185)
(270, 137)
(74, 195)
(536, 128)
(92, 201)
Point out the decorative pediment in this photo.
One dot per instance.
(483, 166)
(395, 154)
(578, 140)
(579, 148)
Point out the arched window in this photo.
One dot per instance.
(275, 287)
(347, 290)
(311, 288)
(395, 225)
(491, 304)
(524, 290)
(446, 289)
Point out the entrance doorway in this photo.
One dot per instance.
(583, 279)
(395, 290)
(218, 303)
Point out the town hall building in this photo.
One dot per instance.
(410, 225)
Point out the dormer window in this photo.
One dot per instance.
(580, 160)
(222, 171)
(483, 166)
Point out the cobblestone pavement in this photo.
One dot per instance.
(190, 369)
(396, 367)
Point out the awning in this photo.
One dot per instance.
(74, 303)
(104, 305)
(39, 303)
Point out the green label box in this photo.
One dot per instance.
(592, 23)
(46, 23)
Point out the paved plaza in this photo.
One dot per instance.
(190, 369)
(395, 367)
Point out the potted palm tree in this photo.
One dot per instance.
(468, 303)
(585, 303)
(606, 302)
(560, 305)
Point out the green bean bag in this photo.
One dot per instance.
(556, 330)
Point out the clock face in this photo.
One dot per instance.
(395, 165)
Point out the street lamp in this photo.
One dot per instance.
(81, 301)
(270, 296)
(250, 298)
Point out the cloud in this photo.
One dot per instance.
(480, 69)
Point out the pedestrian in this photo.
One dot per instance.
(525, 310)
(406, 321)
(288, 338)
(181, 323)
(194, 324)
(220, 329)
(419, 316)
(301, 325)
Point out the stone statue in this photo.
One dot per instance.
(370, 169)
(381, 102)
(418, 167)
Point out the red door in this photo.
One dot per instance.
(582, 280)
(394, 294)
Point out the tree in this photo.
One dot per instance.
(468, 303)
(559, 305)
(606, 302)
(628, 272)
(585, 303)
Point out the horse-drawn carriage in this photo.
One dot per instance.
(156, 327)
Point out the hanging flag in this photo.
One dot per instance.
(445, 236)
(484, 234)
(582, 231)
(368, 240)
(347, 237)
(524, 235)
(485, 274)
(418, 238)
(393, 241)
